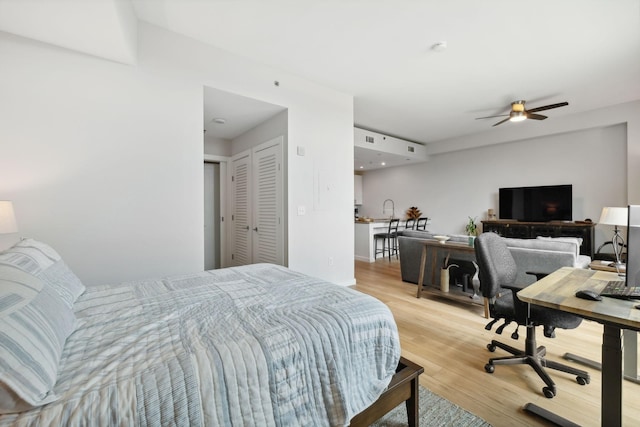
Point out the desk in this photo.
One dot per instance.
(557, 291)
(605, 266)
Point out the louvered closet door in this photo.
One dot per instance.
(268, 236)
(241, 220)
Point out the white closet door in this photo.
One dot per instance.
(241, 220)
(268, 236)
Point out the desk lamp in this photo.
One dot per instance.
(7, 218)
(616, 217)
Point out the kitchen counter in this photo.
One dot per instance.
(364, 244)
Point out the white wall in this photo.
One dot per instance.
(453, 186)
(265, 131)
(104, 160)
(217, 146)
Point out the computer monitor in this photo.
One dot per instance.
(633, 247)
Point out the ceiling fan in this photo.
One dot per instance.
(518, 113)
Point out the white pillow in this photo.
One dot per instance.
(34, 325)
(43, 261)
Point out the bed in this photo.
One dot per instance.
(255, 345)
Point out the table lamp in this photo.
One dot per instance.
(616, 217)
(7, 218)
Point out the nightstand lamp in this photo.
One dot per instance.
(7, 218)
(616, 217)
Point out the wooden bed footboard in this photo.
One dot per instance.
(402, 388)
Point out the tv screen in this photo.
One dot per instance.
(536, 204)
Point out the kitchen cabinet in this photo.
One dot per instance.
(357, 189)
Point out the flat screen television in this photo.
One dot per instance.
(536, 204)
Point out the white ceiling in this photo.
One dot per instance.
(239, 113)
(586, 52)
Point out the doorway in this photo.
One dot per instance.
(256, 205)
(234, 124)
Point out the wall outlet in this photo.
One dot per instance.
(301, 210)
(330, 260)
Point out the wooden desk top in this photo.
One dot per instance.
(558, 289)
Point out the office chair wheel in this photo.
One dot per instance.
(489, 368)
(583, 380)
(548, 392)
(491, 347)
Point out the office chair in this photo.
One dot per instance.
(497, 276)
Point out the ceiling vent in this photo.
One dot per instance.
(374, 150)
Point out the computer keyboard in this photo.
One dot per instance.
(617, 289)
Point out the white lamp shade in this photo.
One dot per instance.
(614, 216)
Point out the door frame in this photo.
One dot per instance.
(223, 161)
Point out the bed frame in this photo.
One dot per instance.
(402, 388)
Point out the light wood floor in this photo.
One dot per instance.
(449, 340)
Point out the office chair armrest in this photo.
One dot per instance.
(515, 287)
(538, 274)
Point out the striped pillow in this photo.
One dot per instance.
(34, 325)
(43, 261)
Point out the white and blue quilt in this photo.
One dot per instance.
(259, 345)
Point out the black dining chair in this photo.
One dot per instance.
(410, 224)
(389, 240)
(422, 224)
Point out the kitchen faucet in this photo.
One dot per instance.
(393, 208)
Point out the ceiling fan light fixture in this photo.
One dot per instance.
(517, 116)
(517, 106)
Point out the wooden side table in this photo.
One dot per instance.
(444, 250)
(607, 266)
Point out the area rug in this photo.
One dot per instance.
(434, 411)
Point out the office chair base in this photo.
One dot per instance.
(534, 357)
(549, 416)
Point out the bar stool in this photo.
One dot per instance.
(389, 240)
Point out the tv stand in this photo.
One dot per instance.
(531, 230)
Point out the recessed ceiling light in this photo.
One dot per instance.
(383, 163)
(219, 120)
(361, 167)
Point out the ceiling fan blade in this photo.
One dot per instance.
(535, 116)
(548, 107)
(490, 117)
(502, 121)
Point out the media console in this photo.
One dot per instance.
(531, 230)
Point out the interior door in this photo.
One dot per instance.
(268, 236)
(240, 241)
